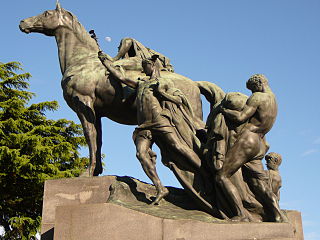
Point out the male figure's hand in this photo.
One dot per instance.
(102, 56)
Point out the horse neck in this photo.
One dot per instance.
(71, 50)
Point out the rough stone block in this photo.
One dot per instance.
(105, 221)
(111, 221)
(77, 209)
(71, 191)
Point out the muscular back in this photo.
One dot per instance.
(266, 111)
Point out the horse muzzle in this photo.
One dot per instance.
(24, 27)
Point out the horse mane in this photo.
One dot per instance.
(81, 32)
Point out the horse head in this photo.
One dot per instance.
(48, 22)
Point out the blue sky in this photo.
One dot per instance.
(224, 42)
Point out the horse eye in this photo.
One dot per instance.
(46, 14)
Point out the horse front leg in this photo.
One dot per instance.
(98, 169)
(90, 133)
(91, 125)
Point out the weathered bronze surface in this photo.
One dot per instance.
(87, 89)
(274, 160)
(219, 164)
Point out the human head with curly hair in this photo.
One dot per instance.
(273, 160)
(257, 83)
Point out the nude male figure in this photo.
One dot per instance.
(260, 114)
(274, 179)
(153, 125)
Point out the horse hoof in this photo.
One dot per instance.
(97, 171)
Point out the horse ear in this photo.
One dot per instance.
(58, 6)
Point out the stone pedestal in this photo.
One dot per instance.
(77, 209)
(70, 192)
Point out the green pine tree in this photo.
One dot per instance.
(32, 149)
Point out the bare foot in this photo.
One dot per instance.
(161, 194)
(281, 218)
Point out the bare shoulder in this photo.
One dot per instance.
(255, 99)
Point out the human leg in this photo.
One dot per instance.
(269, 199)
(187, 157)
(232, 195)
(172, 141)
(236, 157)
(257, 179)
(147, 160)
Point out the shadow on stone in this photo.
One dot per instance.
(134, 194)
(48, 235)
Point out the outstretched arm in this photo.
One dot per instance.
(241, 116)
(116, 73)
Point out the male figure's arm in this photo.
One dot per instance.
(248, 111)
(163, 90)
(279, 186)
(116, 73)
(211, 91)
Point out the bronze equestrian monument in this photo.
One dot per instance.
(227, 193)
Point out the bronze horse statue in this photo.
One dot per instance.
(93, 93)
(87, 88)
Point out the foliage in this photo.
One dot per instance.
(32, 149)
